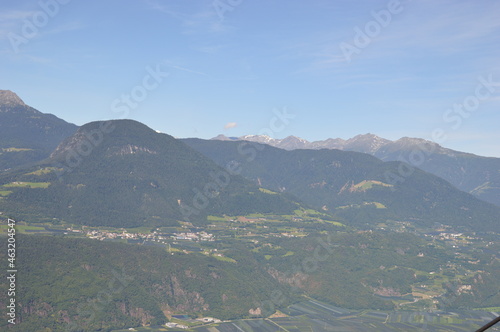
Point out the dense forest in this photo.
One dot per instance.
(355, 186)
(88, 285)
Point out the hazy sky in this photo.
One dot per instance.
(315, 69)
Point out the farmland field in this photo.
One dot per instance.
(317, 316)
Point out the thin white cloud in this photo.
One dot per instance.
(452, 27)
(170, 64)
(66, 27)
(421, 30)
(11, 21)
(230, 125)
(211, 49)
(11, 30)
(201, 21)
(15, 15)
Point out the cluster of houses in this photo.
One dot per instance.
(449, 236)
(103, 235)
(154, 236)
(198, 236)
(204, 320)
(454, 239)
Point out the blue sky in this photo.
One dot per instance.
(338, 68)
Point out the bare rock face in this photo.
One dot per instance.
(9, 98)
(255, 312)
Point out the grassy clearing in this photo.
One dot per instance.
(357, 206)
(368, 184)
(336, 223)
(224, 258)
(27, 185)
(490, 309)
(44, 170)
(172, 249)
(379, 205)
(15, 150)
(215, 218)
(266, 191)
(139, 230)
(5, 193)
(308, 212)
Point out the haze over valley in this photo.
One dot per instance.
(249, 166)
(214, 223)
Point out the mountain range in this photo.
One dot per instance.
(122, 173)
(329, 224)
(27, 135)
(474, 174)
(353, 186)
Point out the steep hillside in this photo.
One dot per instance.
(122, 173)
(27, 135)
(355, 186)
(70, 284)
(474, 174)
(88, 285)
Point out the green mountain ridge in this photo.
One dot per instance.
(27, 135)
(123, 174)
(350, 184)
(471, 173)
(88, 285)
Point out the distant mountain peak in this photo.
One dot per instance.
(221, 137)
(9, 98)
(413, 140)
(368, 137)
(263, 137)
(367, 143)
(295, 138)
(92, 134)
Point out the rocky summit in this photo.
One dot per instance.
(9, 98)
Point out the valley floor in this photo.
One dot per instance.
(317, 316)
